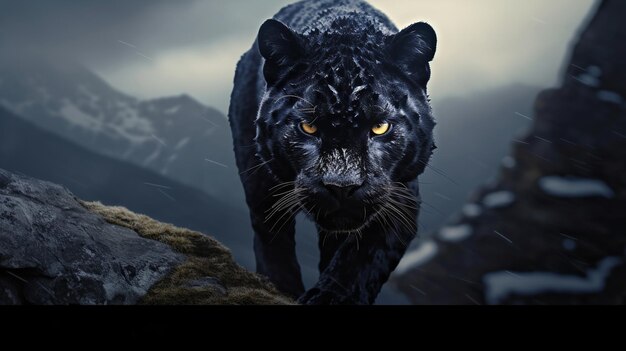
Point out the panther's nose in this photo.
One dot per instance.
(342, 192)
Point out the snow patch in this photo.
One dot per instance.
(77, 117)
(501, 285)
(172, 110)
(610, 96)
(472, 210)
(131, 126)
(132, 121)
(129, 135)
(455, 234)
(499, 199)
(572, 187)
(424, 253)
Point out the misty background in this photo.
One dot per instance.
(125, 102)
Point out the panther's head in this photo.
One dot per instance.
(345, 120)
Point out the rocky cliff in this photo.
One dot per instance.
(552, 228)
(56, 249)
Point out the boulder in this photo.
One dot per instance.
(56, 249)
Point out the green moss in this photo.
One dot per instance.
(206, 257)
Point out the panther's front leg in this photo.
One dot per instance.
(275, 252)
(273, 208)
(362, 264)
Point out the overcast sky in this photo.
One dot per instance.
(152, 48)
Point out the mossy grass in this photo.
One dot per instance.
(206, 257)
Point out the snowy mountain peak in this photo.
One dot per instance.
(172, 135)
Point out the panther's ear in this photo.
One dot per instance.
(412, 49)
(280, 46)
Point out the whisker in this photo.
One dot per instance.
(401, 193)
(283, 193)
(257, 166)
(396, 229)
(325, 237)
(284, 202)
(276, 188)
(404, 219)
(389, 218)
(402, 204)
(281, 185)
(279, 204)
(289, 194)
(288, 211)
(293, 214)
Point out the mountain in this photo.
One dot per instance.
(176, 137)
(30, 150)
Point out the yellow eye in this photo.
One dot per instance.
(381, 128)
(308, 128)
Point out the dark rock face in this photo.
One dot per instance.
(54, 251)
(551, 229)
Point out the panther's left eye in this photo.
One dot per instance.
(381, 128)
(308, 128)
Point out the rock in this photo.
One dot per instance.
(57, 252)
(562, 237)
(189, 282)
(56, 249)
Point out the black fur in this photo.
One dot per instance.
(342, 66)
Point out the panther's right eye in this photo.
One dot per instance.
(308, 128)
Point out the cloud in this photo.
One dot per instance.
(192, 46)
(206, 72)
(485, 43)
(83, 29)
(90, 30)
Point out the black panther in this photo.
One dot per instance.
(330, 116)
